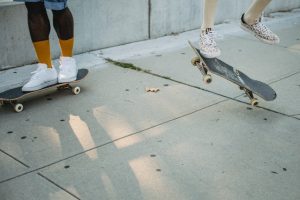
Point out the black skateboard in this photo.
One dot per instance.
(16, 95)
(218, 67)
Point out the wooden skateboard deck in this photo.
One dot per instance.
(15, 95)
(237, 77)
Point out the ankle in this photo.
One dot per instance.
(247, 19)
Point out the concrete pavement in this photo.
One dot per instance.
(187, 141)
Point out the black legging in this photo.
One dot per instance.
(39, 25)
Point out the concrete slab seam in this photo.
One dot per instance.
(12, 157)
(52, 182)
(149, 18)
(286, 77)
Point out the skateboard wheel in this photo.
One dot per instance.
(195, 60)
(18, 107)
(76, 90)
(254, 102)
(207, 79)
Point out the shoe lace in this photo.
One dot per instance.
(262, 28)
(209, 38)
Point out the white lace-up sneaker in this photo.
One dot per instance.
(41, 78)
(208, 46)
(260, 31)
(67, 70)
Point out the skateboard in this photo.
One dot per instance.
(245, 83)
(15, 96)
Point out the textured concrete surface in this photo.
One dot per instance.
(101, 23)
(187, 141)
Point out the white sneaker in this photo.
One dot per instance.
(260, 31)
(41, 78)
(208, 46)
(67, 70)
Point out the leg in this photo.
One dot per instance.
(64, 27)
(208, 46)
(251, 22)
(255, 10)
(209, 12)
(39, 28)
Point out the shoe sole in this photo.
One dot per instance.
(67, 80)
(43, 85)
(257, 36)
(210, 56)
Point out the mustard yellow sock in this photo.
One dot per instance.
(42, 50)
(67, 47)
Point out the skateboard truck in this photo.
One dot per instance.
(253, 100)
(201, 66)
(18, 107)
(75, 90)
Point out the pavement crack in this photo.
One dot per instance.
(14, 158)
(285, 77)
(294, 115)
(49, 180)
(127, 65)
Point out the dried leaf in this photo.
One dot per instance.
(155, 90)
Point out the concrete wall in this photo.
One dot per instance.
(106, 23)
